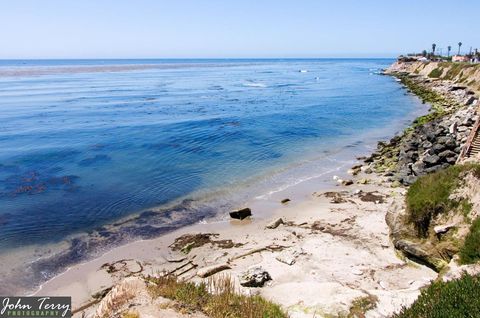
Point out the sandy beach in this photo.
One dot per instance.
(332, 248)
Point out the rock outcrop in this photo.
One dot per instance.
(434, 141)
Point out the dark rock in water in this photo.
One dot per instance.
(254, 277)
(241, 214)
(285, 201)
(431, 160)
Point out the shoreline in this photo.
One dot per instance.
(91, 278)
(267, 200)
(361, 261)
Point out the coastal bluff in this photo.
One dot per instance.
(465, 75)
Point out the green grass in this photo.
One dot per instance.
(436, 73)
(470, 251)
(454, 299)
(216, 298)
(361, 305)
(429, 195)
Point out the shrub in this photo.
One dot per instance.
(470, 251)
(216, 298)
(454, 299)
(436, 73)
(361, 305)
(429, 195)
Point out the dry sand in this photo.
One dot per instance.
(341, 251)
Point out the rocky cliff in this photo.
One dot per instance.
(434, 141)
(464, 75)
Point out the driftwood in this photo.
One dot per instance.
(187, 270)
(210, 270)
(177, 268)
(97, 298)
(271, 248)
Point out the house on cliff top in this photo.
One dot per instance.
(460, 58)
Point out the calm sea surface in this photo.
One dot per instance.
(98, 158)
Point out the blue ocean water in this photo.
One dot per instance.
(79, 151)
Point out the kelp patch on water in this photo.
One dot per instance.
(36, 182)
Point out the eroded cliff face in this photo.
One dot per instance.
(461, 74)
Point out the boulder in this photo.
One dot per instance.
(254, 277)
(447, 154)
(416, 251)
(284, 201)
(437, 148)
(441, 229)
(289, 256)
(431, 160)
(241, 214)
(453, 128)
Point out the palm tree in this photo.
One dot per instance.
(449, 48)
(433, 49)
(459, 46)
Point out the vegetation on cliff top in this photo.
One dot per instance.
(216, 298)
(454, 299)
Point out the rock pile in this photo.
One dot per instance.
(431, 146)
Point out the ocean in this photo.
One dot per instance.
(96, 153)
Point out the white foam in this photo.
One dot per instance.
(253, 84)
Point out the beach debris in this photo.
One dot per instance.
(187, 242)
(363, 181)
(241, 214)
(366, 169)
(254, 277)
(97, 297)
(374, 196)
(284, 201)
(188, 265)
(127, 266)
(274, 224)
(337, 197)
(357, 272)
(441, 229)
(176, 259)
(272, 247)
(210, 270)
(289, 256)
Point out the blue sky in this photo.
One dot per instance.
(227, 28)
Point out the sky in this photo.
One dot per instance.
(39, 29)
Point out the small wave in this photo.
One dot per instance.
(253, 84)
(298, 181)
